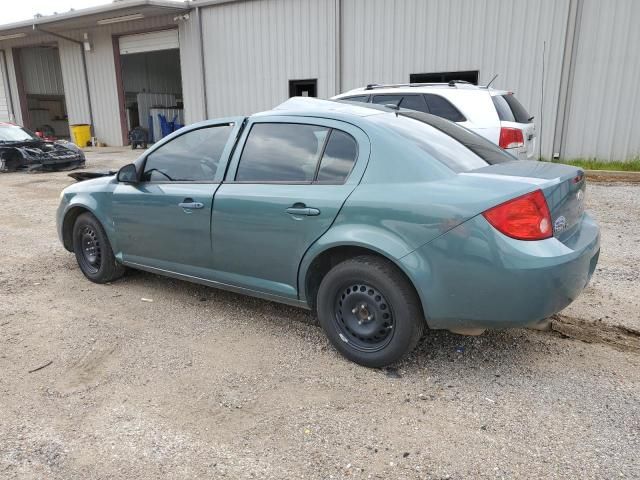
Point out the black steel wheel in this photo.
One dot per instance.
(370, 311)
(363, 316)
(93, 250)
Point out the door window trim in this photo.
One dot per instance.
(314, 181)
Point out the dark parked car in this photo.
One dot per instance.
(384, 221)
(22, 150)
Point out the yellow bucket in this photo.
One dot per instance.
(81, 134)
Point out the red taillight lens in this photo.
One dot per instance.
(511, 137)
(523, 218)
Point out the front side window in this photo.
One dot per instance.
(193, 156)
(281, 152)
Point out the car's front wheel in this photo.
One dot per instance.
(370, 311)
(93, 250)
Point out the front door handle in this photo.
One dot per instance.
(306, 211)
(189, 204)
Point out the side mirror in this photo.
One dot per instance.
(128, 174)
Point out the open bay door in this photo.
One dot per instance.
(152, 83)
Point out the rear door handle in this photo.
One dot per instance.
(189, 204)
(309, 212)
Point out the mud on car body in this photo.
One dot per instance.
(22, 150)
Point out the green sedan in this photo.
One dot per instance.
(386, 222)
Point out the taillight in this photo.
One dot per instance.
(523, 218)
(511, 137)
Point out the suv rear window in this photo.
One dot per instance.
(510, 109)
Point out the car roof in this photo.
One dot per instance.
(448, 88)
(308, 106)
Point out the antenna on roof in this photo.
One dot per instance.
(494, 77)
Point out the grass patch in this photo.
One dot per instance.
(593, 164)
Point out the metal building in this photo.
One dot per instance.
(570, 62)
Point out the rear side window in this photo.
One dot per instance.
(281, 152)
(510, 109)
(357, 98)
(442, 107)
(387, 99)
(411, 102)
(338, 158)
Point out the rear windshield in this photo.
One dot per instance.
(456, 147)
(510, 109)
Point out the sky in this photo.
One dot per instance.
(18, 10)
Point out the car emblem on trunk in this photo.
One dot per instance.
(560, 224)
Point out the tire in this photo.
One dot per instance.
(370, 311)
(93, 250)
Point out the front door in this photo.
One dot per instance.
(283, 190)
(164, 221)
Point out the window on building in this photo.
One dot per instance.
(303, 88)
(193, 156)
(441, 107)
(281, 152)
(338, 158)
(470, 76)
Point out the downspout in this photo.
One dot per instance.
(338, 53)
(202, 65)
(567, 77)
(5, 75)
(84, 68)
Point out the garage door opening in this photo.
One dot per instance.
(41, 91)
(151, 84)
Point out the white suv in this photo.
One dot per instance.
(495, 114)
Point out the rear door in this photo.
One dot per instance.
(287, 182)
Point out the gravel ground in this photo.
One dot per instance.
(201, 383)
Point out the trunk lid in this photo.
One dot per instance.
(563, 187)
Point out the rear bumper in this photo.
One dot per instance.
(475, 277)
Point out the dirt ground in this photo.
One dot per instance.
(200, 383)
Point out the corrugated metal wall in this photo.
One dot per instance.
(5, 113)
(41, 70)
(75, 86)
(254, 48)
(387, 40)
(604, 98)
(193, 92)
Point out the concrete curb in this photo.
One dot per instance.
(612, 176)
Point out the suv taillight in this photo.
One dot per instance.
(511, 137)
(523, 218)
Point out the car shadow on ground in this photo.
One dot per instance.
(439, 350)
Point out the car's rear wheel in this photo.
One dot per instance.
(93, 250)
(370, 311)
